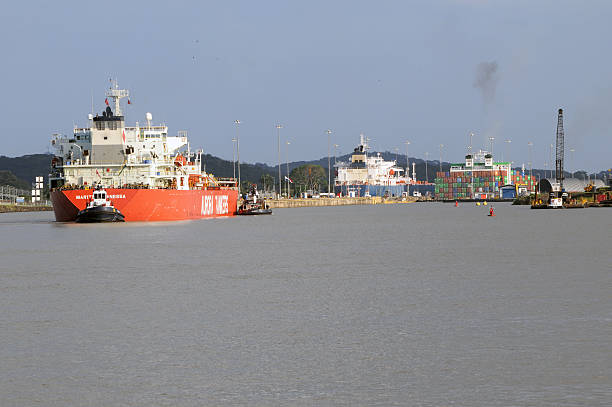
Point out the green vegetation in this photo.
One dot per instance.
(309, 177)
(523, 200)
(27, 167)
(8, 178)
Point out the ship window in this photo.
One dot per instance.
(105, 138)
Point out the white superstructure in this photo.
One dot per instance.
(369, 170)
(112, 154)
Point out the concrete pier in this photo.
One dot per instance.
(301, 202)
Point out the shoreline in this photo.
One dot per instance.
(9, 208)
(310, 202)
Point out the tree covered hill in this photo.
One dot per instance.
(24, 169)
(8, 178)
(27, 167)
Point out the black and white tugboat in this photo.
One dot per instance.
(253, 204)
(99, 209)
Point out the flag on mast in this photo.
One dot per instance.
(288, 179)
(106, 101)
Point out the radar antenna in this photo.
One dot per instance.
(116, 95)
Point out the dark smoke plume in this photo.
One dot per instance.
(486, 80)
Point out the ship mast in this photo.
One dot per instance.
(116, 95)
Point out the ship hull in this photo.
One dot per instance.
(150, 205)
(99, 214)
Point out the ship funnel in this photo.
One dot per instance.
(149, 117)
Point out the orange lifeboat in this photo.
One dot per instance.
(179, 161)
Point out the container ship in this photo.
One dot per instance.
(371, 175)
(147, 174)
(481, 178)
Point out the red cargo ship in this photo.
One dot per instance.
(147, 174)
(150, 204)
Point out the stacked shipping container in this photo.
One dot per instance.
(486, 183)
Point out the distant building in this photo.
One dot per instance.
(570, 185)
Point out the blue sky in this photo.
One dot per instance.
(394, 70)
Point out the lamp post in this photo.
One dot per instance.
(471, 137)
(572, 159)
(507, 141)
(530, 144)
(335, 152)
(491, 139)
(329, 132)
(550, 160)
(280, 181)
(335, 161)
(238, 152)
(287, 157)
(441, 147)
(234, 156)
(426, 159)
(407, 163)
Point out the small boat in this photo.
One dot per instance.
(99, 209)
(253, 204)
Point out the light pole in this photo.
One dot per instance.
(329, 132)
(426, 159)
(234, 155)
(507, 141)
(530, 144)
(335, 152)
(471, 137)
(287, 156)
(238, 152)
(572, 159)
(491, 144)
(550, 160)
(335, 160)
(407, 163)
(280, 181)
(441, 147)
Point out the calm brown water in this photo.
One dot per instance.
(417, 305)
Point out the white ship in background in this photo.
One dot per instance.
(371, 175)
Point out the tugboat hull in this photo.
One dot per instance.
(100, 214)
(255, 212)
